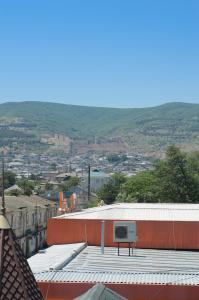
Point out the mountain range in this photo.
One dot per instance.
(147, 130)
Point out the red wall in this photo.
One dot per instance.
(68, 291)
(151, 234)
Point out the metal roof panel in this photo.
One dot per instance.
(139, 211)
(54, 257)
(146, 266)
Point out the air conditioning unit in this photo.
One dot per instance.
(124, 232)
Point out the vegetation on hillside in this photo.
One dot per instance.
(26, 122)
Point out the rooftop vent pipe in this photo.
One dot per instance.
(102, 236)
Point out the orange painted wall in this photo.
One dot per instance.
(68, 291)
(151, 234)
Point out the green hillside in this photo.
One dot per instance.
(161, 125)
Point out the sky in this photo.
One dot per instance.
(108, 53)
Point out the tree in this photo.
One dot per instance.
(139, 188)
(175, 178)
(27, 186)
(69, 183)
(48, 186)
(9, 179)
(110, 190)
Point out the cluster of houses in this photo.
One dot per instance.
(48, 167)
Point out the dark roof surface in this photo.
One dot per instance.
(17, 281)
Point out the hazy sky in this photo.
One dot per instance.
(99, 52)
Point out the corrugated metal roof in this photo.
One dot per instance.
(54, 257)
(139, 211)
(143, 260)
(146, 266)
(118, 278)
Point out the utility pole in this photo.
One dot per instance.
(3, 208)
(89, 183)
(36, 227)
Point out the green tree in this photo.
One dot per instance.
(176, 180)
(48, 186)
(27, 186)
(9, 179)
(139, 188)
(69, 183)
(111, 189)
(193, 161)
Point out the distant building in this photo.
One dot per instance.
(97, 180)
(81, 201)
(63, 177)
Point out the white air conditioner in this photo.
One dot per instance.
(124, 232)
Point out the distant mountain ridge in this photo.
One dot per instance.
(153, 127)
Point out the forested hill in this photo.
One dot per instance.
(161, 125)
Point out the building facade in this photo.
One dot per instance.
(28, 217)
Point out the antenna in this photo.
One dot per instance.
(3, 209)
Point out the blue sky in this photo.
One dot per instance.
(100, 52)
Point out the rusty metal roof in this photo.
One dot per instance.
(17, 281)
